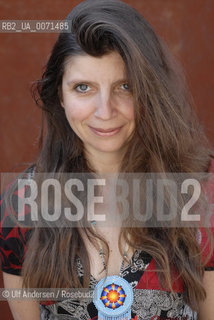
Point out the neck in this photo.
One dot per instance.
(104, 162)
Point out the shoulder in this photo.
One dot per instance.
(206, 242)
(13, 237)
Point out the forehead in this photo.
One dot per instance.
(110, 66)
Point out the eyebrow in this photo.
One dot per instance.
(74, 81)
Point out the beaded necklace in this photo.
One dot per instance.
(113, 295)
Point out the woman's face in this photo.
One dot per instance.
(98, 102)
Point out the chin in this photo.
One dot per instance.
(109, 149)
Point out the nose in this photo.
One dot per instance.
(105, 106)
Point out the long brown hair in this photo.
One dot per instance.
(168, 138)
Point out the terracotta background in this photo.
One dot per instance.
(186, 26)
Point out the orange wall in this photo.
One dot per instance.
(186, 26)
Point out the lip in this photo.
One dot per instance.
(105, 132)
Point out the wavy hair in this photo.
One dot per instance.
(168, 138)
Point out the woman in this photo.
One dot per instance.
(114, 101)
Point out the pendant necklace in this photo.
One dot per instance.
(113, 295)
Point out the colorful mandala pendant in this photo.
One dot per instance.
(113, 298)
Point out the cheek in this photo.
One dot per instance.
(76, 111)
(131, 115)
(128, 111)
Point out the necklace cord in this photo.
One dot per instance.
(102, 254)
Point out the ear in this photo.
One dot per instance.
(60, 96)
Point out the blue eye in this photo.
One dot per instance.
(82, 87)
(125, 86)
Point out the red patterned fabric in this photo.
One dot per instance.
(149, 280)
(13, 240)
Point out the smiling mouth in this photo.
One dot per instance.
(105, 133)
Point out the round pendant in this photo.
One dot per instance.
(113, 298)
